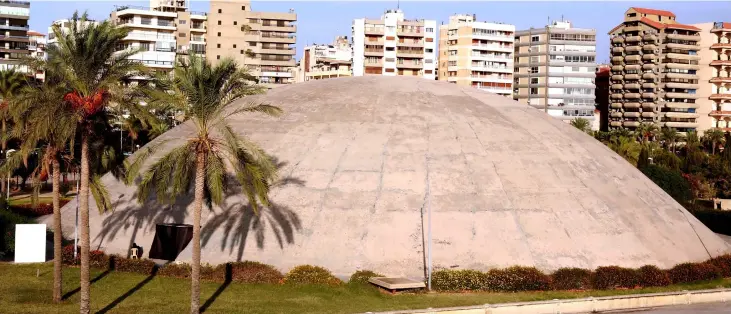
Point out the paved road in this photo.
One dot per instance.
(711, 308)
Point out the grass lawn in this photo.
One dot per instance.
(23, 200)
(117, 292)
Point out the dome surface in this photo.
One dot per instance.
(365, 159)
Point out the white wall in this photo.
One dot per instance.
(358, 46)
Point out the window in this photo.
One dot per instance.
(534, 80)
(427, 71)
(389, 49)
(631, 14)
(219, 34)
(535, 38)
(219, 11)
(236, 23)
(145, 46)
(181, 21)
(452, 63)
(429, 50)
(453, 52)
(242, 51)
(181, 34)
(219, 22)
(534, 91)
(390, 38)
(389, 70)
(252, 44)
(429, 29)
(234, 45)
(218, 45)
(429, 40)
(243, 8)
(389, 59)
(218, 57)
(535, 59)
(428, 61)
(533, 70)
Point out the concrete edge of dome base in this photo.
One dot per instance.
(589, 305)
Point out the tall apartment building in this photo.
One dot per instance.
(394, 45)
(555, 69)
(655, 64)
(161, 32)
(14, 39)
(603, 72)
(477, 54)
(326, 61)
(714, 92)
(261, 41)
(37, 49)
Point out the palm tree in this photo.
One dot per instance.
(714, 137)
(43, 120)
(204, 93)
(647, 131)
(11, 82)
(669, 136)
(626, 147)
(581, 124)
(86, 57)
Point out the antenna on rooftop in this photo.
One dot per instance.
(398, 4)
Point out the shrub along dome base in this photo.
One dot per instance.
(363, 158)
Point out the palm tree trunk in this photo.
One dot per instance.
(713, 148)
(84, 226)
(195, 284)
(57, 236)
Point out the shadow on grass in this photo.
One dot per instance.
(75, 291)
(127, 294)
(220, 289)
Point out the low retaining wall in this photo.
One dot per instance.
(587, 305)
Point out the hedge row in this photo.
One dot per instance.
(719, 221)
(510, 279)
(514, 279)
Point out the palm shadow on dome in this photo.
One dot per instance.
(236, 218)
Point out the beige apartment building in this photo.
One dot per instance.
(394, 45)
(714, 92)
(655, 71)
(261, 41)
(477, 54)
(326, 61)
(14, 38)
(555, 68)
(162, 31)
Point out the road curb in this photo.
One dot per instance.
(587, 305)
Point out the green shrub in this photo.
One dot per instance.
(719, 221)
(459, 280)
(140, 266)
(8, 220)
(671, 181)
(307, 274)
(255, 272)
(571, 279)
(723, 263)
(67, 255)
(175, 270)
(519, 278)
(651, 276)
(362, 276)
(690, 272)
(213, 273)
(612, 277)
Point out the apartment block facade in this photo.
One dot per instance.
(14, 16)
(714, 90)
(162, 32)
(555, 68)
(394, 46)
(477, 54)
(655, 71)
(326, 61)
(261, 41)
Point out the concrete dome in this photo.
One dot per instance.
(363, 158)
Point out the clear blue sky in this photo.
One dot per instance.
(320, 22)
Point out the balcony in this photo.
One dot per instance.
(632, 95)
(410, 32)
(633, 48)
(683, 46)
(373, 31)
(277, 38)
(616, 114)
(682, 115)
(149, 37)
(277, 51)
(684, 37)
(649, 56)
(648, 114)
(410, 53)
(618, 39)
(681, 124)
(683, 95)
(14, 27)
(648, 105)
(617, 68)
(197, 28)
(680, 56)
(721, 62)
(635, 67)
(618, 59)
(632, 124)
(618, 49)
(316, 75)
(649, 76)
(632, 114)
(618, 77)
(648, 95)
(720, 96)
(617, 96)
(631, 105)
(616, 123)
(277, 62)
(373, 52)
(649, 66)
(409, 43)
(503, 48)
(649, 85)
(633, 39)
(649, 47)
(721, 80)
(720, 113)
(682, 66)
(631, 86)
(274, 27)
(15, 38)
(721, 46)
(199, 39)
(616, 105)
(681, 105)
(373, 63)
(650, 36)
(631, 77)
(409, 65)
(681, 76)
(633, 58)
(681, 85)
(616, 86)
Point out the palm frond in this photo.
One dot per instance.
(100, 193)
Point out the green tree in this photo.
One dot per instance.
(694, 156)
(647, 131)
(669, 137)
(643, 159)
(626, 147)
(46, 125)
(205, 93)
(671, 181)
(714, 137)
(86, 57)
(581, 124)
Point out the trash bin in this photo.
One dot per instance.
(170, 240)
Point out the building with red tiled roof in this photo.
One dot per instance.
(654, 64)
